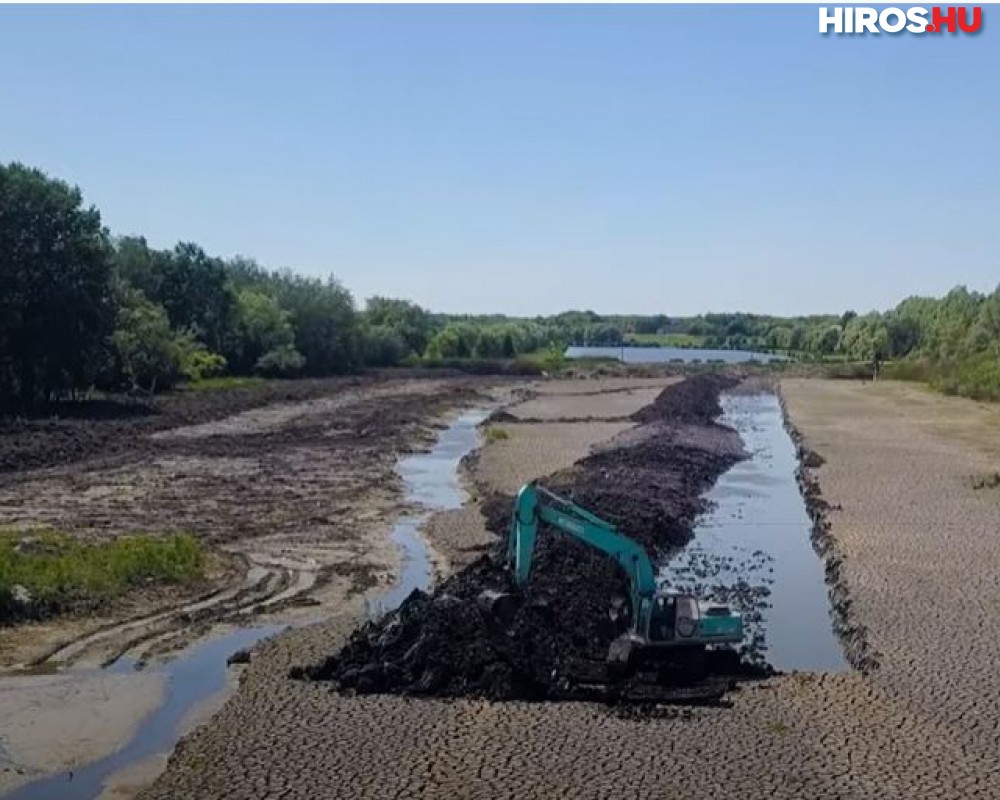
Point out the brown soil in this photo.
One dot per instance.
(447, 644)
(919, 546)
(293, 491)
(105, 428)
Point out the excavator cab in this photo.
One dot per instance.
(672, 618)
(657, 619)
(677, 621)
(682, 619)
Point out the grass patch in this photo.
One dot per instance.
(915, 370)
(975, 376)
(495, 434)
(44, 573)
(221, 383)
(664, 340)
(548, 360)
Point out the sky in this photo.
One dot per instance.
(527, 159)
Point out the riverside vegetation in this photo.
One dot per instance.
(82, 310)
(44, 572)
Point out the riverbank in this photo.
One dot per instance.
(305, 523)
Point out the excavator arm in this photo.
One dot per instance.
(535, 504)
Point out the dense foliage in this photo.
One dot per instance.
(80, 309)
(56, 308)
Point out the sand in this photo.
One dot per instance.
(61, 721)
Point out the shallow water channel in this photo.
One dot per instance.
(752, 549)
(661, 355)
(431, 481)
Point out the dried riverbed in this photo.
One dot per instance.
(553, 644)
(914, 541)
(323, 547)
(842, 735)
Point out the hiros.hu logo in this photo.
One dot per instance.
(862, 19)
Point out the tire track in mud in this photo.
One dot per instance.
(268, 583)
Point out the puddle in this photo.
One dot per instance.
(431, 481)
(191, 680)
(753, 548)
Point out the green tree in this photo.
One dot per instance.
(280, 362)
(261, 325)
(412, 324)
(383, 346)
(56, 310)
(457, 340)
(508, 348)
(147, 348)
(193, 287)
(326, 325)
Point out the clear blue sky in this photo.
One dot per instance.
(528, 159)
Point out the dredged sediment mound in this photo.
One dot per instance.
(649, 484)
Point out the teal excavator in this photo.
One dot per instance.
(658, 620)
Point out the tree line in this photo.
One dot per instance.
(81, 309)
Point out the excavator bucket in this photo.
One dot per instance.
(501, 606)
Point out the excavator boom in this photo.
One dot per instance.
(679, 619)
(535, 504)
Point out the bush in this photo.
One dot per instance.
(495, 434)
(977, 377)
(550, 360)
(197, 363)
(282, 362)
(915, 370)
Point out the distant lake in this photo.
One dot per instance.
(659, 355)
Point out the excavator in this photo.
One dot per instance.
(658, 621)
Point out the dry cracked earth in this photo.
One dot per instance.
(919, 543)
(915, 514)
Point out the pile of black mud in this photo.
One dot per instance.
(551, 643)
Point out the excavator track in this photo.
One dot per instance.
(593, 680)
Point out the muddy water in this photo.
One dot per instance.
(431, 481)
(195, 677)
(753, 548)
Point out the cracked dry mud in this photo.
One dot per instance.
(919, 546)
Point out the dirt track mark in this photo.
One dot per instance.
(267, 582)
(296, 494)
